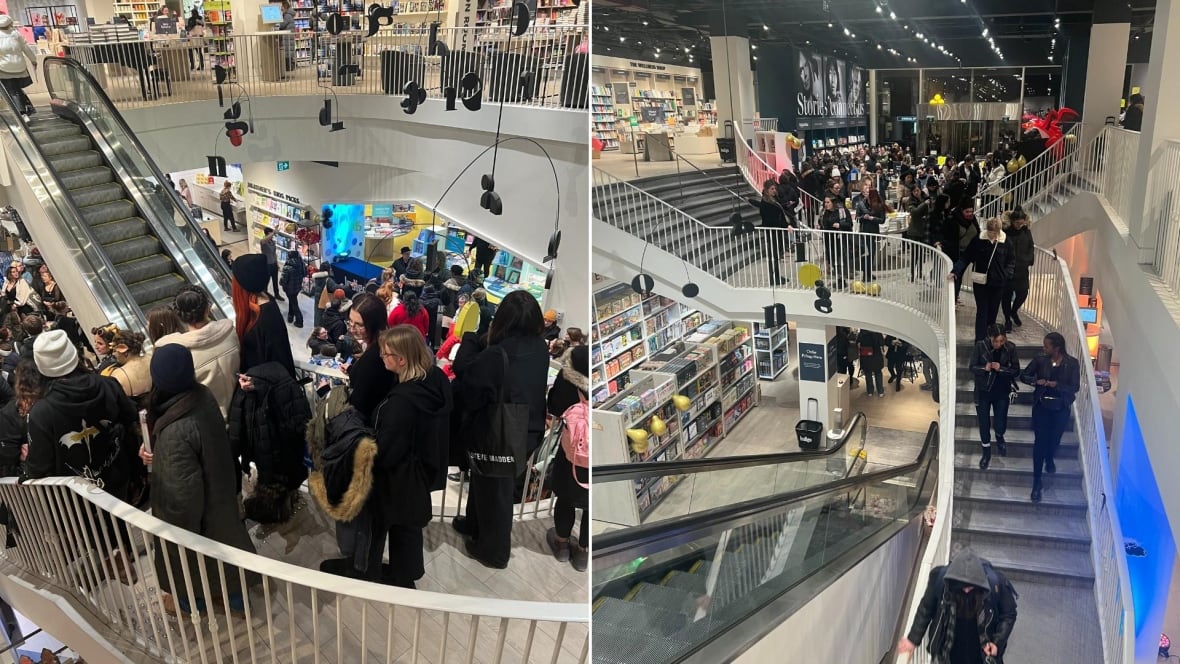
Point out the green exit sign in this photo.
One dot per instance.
(634, 120)
(284, 166)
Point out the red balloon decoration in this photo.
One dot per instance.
(1049, 127)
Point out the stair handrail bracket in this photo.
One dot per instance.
(78, 520)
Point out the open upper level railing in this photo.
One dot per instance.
(546, 67)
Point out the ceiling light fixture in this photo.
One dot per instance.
(622, 39)
(765, 27)
(985, 32)
(893, 16)
(879, 10)
(846, 32)
(829, 24)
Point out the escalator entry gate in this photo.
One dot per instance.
(810, 431)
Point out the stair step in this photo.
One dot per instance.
(967, 464)
(156, 289)
(966, 394)
(76, 161)
(1019, 416)
(63, 145)
(117, 231)
(107, 212)
(56, 130)
(1064, 495)
(1017, 435)
(144, 269)
(1041, 620)
(106, 192)
(131, 250)
(976, 519)
(86, 177)
(1037, 563)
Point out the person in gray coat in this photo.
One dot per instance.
(194, 479)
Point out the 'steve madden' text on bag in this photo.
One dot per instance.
(500, 448)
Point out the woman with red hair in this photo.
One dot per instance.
(260, 325)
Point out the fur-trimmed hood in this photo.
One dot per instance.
(577, 378)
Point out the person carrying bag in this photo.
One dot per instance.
(501, 452)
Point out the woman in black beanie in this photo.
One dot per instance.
(571, 387)
(261, 329)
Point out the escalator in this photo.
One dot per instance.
(707, 585)
(113, 212)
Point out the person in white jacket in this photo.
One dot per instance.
(213, 343)
(15, 75)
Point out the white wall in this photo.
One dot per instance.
(317, 184)
(429, 149)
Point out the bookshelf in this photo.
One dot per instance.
(549, 12)
(717, 377)
(770, 351)
(219, 30)
(605, 118)
(140, 13)
(283, 213)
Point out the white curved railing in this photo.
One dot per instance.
(756, 172)
(1037, 175)
(546, 51)
(764, 124)
(1114, 159)
(64, 529)
(1163, 205)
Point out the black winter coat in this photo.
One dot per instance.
(84, 426)
(996, 617)
(993, 258)
(194, 484)
(369, 382)
(294, 271)
(335, 322)
(1020, 243)
(479, 374)
(414, 421)
(1001, 380)
(773, 214)
(1067, 375)
(872, 343)
(13, 434)
(267, 426)
(955, 231)
(267, 341)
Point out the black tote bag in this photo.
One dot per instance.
(499, 446)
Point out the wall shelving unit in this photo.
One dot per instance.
(141, 13)
(605, 119)
(770, 352)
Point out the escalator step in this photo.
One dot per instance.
(130, 250)
(629, 646)
(87, 177)
(691, 583)
(46, 132)
(144, 269)
(78, 160)
(616, 612)
(58, 145)
(107, 212)
(672, 600)
(167, 302)
(101, 193)
(116, 231)
(153, 290)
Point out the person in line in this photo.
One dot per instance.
(268, 249)
(227, 256)
(15, 74)
(969, 610)
(575, 337)
(213, 344)
(837, 245)
(1056, 377)
(571, 387)
(1023, 249)
(194, 28)
(896, 357)
(551, 330)
(227, 198)
(79, 427)
(992, 264)
(47, 289)
(414, 278)
(401, 265)
(104, 339)
(317, 340)
(484, 254)
(31, 326)
(17, 294)
(193, 483)
(874, 214)
(996, 366)
(774, 241)
(872, 361)
(409, 311)
(1133, 118)
(163, 321)
(292, 283)
(335, 318)
(367, 376)
(259, 323)
(323, 285)
(516, 334)
(924, 228)
(960, 230)
(132, 370)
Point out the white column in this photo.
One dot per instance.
(874, 111)
(1105, 69)
(733, 80)
(817, 374)
(1161, 117)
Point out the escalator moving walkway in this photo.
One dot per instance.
(105, 205)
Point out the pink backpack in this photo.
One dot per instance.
(575, 436)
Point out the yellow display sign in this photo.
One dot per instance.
(941, 161)
(1135, 90)
(937, 100)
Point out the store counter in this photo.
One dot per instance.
(690, 144)
(382, 247)
(173, 56)
(209, 199)
(273, 51)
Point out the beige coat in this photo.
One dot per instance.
(216, 358)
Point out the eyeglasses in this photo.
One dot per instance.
(353, 324)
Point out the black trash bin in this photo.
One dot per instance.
(810, 432)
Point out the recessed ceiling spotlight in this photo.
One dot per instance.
(645, 22)
(919, 35)
(829, 24)
(686, 49)
(853, 35)
(879, 47)
(754, 46)
(985, 32)
(606, 28)
(893, 16)
(879, 10)
(846, 32)
(765, 27)
(755, 57)
(622, 39)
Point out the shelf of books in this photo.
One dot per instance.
(140, 14)
(549, 12)
(665, 99)
(682, 402)
(282, 212)
(770, 351)
(628, 330)
(603, 110)
(219, 32)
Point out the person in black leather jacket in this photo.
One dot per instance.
(774, 242)
(991, 257)
(996, 366)
(968, 610)
(1057, 377)
(1020, 240)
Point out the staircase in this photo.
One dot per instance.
(1044, 548)
(703, 195)
(106, 207)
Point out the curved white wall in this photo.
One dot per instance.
(429, 148)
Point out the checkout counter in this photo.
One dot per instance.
(661, 144)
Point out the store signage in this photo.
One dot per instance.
(273, 194)
(907, 118)
(830, 93)
(284, 166)
(811, 363)
(833, 354)
(689, 95)
(633, 120)
(648, 65)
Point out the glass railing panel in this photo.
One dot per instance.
(194, 252)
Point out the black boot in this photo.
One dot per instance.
(1050, 467)
(1002, 447)
(1036, 492)
(986, 459)
(1016, 320)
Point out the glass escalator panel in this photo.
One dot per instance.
(663, 591)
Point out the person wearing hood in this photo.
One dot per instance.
(412, 427)
(1020, 243)
(992, 266)
(1133, 119)
(480, 377)
(968, 611)
(259, 323)
(213, 344)
(571, 387)
(193, 469)
(414, 278)
(960, 228)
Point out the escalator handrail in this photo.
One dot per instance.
(617, 547)
(76, 67)
(634, 471)
(129, 311)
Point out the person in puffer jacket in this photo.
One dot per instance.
(213, 343)
(267, 425)
(14, 73)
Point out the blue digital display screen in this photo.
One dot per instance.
(1089, 315)
(272, 13)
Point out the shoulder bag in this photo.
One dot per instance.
(980, 278)
(500, 449)
(1048, 398)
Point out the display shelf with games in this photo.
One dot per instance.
(604, 117)
(770, 351)
(662, 431)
